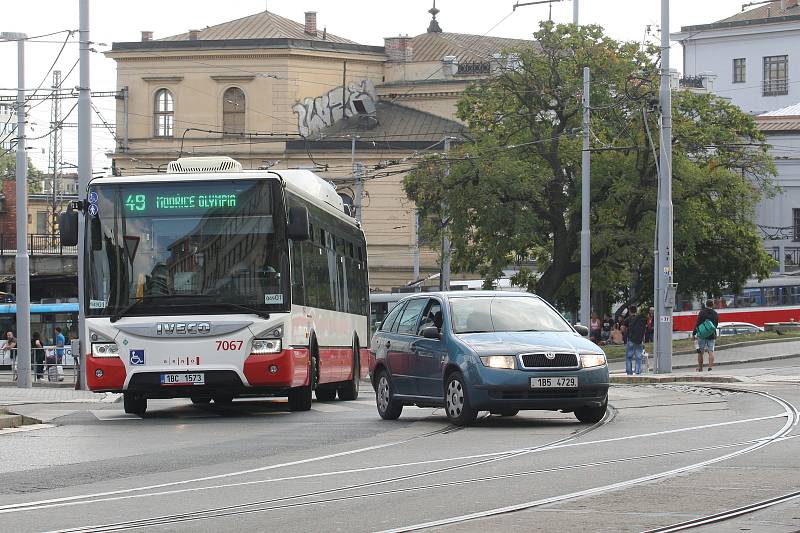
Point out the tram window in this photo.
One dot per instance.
(749, 298)
(793, 296)
(773, 296)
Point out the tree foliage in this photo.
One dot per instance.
(513, 190)
(8, 169)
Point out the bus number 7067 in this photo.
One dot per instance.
(229, 345)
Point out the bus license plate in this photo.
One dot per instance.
(555, 382)
(183, 379)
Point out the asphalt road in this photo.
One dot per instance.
(666, 454)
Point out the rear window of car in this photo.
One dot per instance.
(504, 313)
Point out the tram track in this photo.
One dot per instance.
(246, 508)
(728, 515)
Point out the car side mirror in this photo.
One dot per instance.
(299, 227)
(68, 228)
(431, 332)
(583, 331)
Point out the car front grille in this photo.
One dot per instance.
(541, 360)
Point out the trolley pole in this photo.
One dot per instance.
(84, 173)
(444, 279)
(664, 293)
(586, 171)
(22, 262)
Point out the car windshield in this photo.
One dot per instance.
(208, 246)
(483, 314)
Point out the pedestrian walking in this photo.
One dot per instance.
(635, 326)
(595, 327)
(56, 371)
(705, 331)
(9, 349)
(38, 355)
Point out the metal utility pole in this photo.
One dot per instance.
(665, 292)
(444, 279)
(576, 11)
(84, 172)
(56, 151)
(22, 262)
(416, 245)
(357, 176)
(586, 170)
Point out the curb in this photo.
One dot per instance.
(672, 379)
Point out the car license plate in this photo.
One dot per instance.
(555, 382)
(183, 379)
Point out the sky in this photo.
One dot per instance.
(363, 21)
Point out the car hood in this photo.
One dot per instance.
(533, 341)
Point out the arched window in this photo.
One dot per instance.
(233, 106)
(164, 114)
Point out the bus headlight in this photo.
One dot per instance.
(265, 346)
(105, 349)
(589, 360)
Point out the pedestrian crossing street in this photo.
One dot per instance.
(171, 409)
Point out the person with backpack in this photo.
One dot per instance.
(705, 330)
(635, 326)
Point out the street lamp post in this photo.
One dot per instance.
(22, 262)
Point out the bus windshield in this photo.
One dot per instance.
(205, 246)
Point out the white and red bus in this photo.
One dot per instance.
(210, 282)
(776, 299)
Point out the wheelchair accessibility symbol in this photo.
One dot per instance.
(137, 357)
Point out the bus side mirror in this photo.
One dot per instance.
(299, 227)
(68, 228)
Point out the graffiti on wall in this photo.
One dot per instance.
(314, 114)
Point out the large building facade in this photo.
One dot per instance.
(275, 93)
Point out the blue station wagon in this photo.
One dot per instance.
(485, 351)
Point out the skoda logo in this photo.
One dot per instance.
(550, 355)
(183, 328)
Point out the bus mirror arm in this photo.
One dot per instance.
(299, 227)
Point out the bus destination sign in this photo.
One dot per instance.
(157, 202)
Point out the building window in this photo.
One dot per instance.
(164, 114)
(776, 81)
(233, 106)
(796, 225)
(739, 70)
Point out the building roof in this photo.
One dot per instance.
(782, 120)
(467, 48)
(264, 25)
(391, 123)
(770, 13)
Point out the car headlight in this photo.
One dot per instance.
(499, 361)
(105, 349)
(265, 346)
(589, 360)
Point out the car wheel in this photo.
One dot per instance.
(591, 415)
(459, 410)
(201, 400)
(388, 407)
(349, 389)
(325, 394)
(134, 405)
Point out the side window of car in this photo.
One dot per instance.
(390, 320)
(407, 325)
(432, 316)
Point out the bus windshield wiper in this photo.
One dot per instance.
(252, 310)
(124, 311)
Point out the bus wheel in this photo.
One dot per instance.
(134, 405)
(349, 389)
(300, 397)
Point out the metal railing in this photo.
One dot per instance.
(776, 87)
(38, 244)
(46, 366)
(791, 257)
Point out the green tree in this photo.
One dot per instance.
(514, 186)
(8, 169)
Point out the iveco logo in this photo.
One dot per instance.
(183, 328)
(550, 356)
